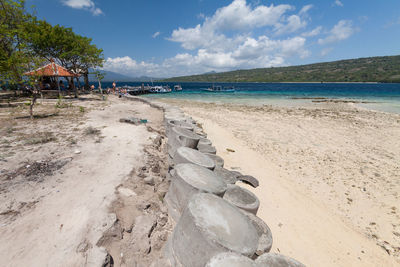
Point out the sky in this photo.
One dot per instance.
(166, 38)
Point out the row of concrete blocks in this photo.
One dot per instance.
(216, 222)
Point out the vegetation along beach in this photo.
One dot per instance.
(199, 133)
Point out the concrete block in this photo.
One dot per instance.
(229, 259)
(277, 260)
(189, 155)
(181, 137)
(248, 179)
(208, 226)
(206, 149)
(188, 180)
(205, 141)
(186, 137)
(180, 123)
(227, 175)
(242, 198)
(264, 232)
(219, 162)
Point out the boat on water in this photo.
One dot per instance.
(177, 87)
(220, 89)
(158, 89)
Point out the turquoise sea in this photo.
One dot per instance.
(379, 96)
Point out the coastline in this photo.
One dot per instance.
(329, 184)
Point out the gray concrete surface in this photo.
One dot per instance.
(205, 141)
(242, 198)
(219, 162)
(230, 259)
(263, 231)
(277, 260)
(189, 155)
(208, 226)
(189, 179)
(248, 179)
(206, 148)
(228, 176)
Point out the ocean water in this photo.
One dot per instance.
(383, 97)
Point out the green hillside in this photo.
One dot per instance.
(372, 69)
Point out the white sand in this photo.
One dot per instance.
(329, 177)
(69, 211)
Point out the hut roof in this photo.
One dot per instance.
(52, 69)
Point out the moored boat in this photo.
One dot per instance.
(220, 89)
(177, 87)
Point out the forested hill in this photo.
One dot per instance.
(372, 69)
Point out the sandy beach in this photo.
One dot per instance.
(73, 187)
(329, 176)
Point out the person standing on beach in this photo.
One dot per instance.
(114, 85)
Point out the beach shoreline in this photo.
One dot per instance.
(332, 171)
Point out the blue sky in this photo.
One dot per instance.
(171, 38)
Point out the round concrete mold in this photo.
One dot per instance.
(206, 149)
(188, 155)
(219, 162)
(229, 259)
(208, 226)
(264, 232)
(186, 137)
(181, 137)
(242, 198)
(228, 176)
(277, 260)
(189, 179)
(205, 141)
(179, 123)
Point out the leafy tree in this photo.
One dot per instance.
(14, 52)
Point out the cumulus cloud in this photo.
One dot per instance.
(226, 40)
(156, 34)
(313, 32)
(341, 31)
(84, 4)
(338, 3)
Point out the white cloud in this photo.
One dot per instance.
(326, 51)
(338, 3)
(156, 34)
(294, 23)
(305, 9)
(84, 4)
(226, 40)
(341, 31)
(313, 32)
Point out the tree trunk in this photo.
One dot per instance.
(79, 82)
(86, 78)
(34, 97)
(101, 90)
(74, 87)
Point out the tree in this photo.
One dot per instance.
(14, 53)
(70, 50)
(100, 76)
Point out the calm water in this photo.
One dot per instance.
(386, 97)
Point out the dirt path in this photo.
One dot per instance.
(57, 219)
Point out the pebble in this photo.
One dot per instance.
(149, 180)
(77, 152)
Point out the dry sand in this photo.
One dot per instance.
(329, 176)
(70, 187)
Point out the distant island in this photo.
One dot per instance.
(373, 69)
